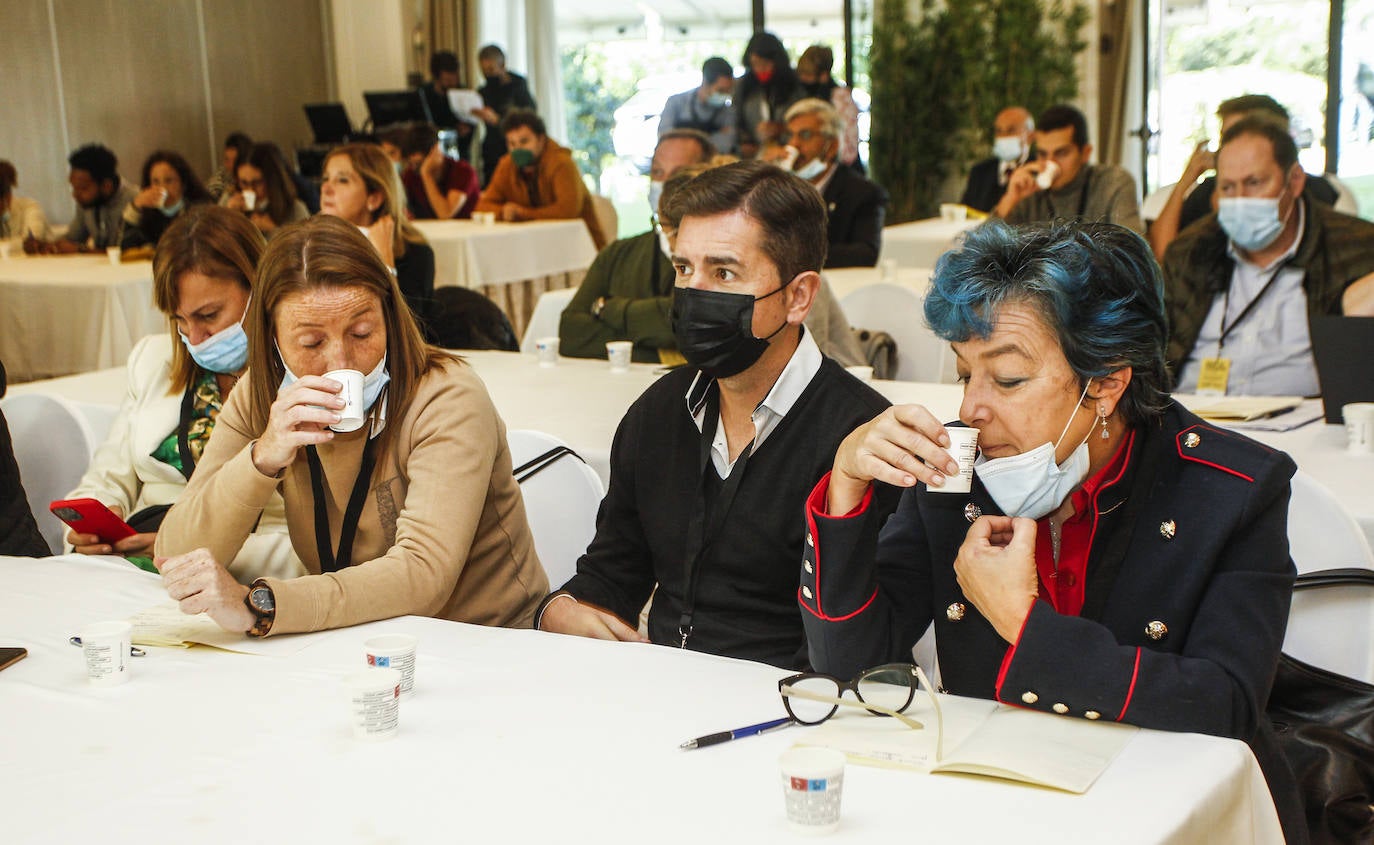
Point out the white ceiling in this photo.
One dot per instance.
(605, 19)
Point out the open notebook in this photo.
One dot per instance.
(980, 738)
(165, 625)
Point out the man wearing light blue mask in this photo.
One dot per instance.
(1011, 147)
(854, 206)
(707, 108)
(1242, 283)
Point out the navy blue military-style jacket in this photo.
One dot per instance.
(1187, 594)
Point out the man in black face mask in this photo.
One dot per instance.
(711, 465)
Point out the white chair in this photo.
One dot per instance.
(1346, 202)
(544, 321)
(561, 502)
(897, 310)
(606, 217)
(53, 444)
(1333, 627)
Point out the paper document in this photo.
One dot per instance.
(461, 101)
(1241, 408)
(983, 738)
(165, 625)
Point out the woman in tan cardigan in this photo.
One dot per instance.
(415, 512)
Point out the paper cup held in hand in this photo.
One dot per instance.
(250, 200)
(352, 394)
(1049, 171)
(812, 784)
(105, 646)
(1359, 427)
(374, 700)
(618, 352)
(963, 447)
(393, 651)
(547, 347)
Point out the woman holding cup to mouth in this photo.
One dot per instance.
(359, 186)
(1116, 558)
(170, 186)
(413, 512)
(265, 191)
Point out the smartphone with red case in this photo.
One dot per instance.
(87, 516)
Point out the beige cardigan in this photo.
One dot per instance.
(442, 533)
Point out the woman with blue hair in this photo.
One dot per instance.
(1116, 558)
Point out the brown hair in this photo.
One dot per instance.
(276, 177)
(789, 210)
(8, 178)
(380, 177)
(210, 240)
(327, 252)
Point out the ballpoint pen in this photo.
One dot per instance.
(737, 733)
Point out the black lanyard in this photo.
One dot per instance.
(700, 534)
(328, 561)
(1082, 198)
(1250, 306)
(188, 461)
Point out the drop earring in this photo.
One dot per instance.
(1102, 417)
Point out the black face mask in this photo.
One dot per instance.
(715, 330)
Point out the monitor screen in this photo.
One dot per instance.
(388, 107)
(329, 122)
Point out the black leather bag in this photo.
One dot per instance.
(1324, 723)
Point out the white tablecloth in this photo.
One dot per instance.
(72, 313)
(468, 254)
(511, 736)
(921, 242)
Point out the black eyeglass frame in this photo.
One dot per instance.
(907, 670)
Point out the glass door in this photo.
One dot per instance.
(1355, 150)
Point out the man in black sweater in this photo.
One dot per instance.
(711, 466)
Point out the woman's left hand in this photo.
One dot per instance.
(996, 570)
(381, 233)
(202, 585)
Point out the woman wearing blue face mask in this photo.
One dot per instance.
(177, 385)
(1117, 558)
(411, 511)
(169, 188)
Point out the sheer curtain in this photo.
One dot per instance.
(527, 31)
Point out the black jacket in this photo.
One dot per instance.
(18, 532)
(855, 208)
(1193, 536)
(983, 191)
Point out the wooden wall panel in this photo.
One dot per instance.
(132, 78)
(267, 58)
(30, 118)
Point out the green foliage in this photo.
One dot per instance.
(592, 92)
(1265, 41)
(939, 80)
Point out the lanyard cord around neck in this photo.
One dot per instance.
(1250, 306)
(700, 534)
(323, 546)
(1082, 197)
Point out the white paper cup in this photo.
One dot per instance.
(889, 270)
(1048, 172)
(861, 373)
(394, 651)
(5, 247)
(250, 200)
(1359, 427)
(547, 347)
(953, 211)
(113, 253)
(105, 645)
(352, 394)
(374, 700)
(963, 447)
(486, 218)
(812, 784)
(618, 352)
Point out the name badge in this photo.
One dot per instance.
(1213, 376)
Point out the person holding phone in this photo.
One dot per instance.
(178, 382)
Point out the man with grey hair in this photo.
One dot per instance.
(854, 206)
(1011, 148)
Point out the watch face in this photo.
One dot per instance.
(262, 599)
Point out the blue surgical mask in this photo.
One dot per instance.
(717, 100)
(373, 382)
(174, 210)
(1008, 148)
(400, 167)
(225, 351)
(1251, 222)
(1031, 484)
(811, 169)
(655, 194)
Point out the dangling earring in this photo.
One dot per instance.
(1102, 417)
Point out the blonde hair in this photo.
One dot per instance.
(379, 177)
(213, 241)
(327, 252)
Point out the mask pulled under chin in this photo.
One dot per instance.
(714, 330)
(225, 351)
(1031, 484)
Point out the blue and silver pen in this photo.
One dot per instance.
(737, 733)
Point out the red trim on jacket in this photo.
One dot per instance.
(1006, 660)
(1135, 673)
(1178, 445)
(816, 613)
(815, 506)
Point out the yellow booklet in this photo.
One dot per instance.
(1241, 408)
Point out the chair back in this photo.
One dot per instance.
(1332, 628)
(53, 445)
(897, 310)
(606, 217)
(561, 502)
(547, 313)
(461, 318)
